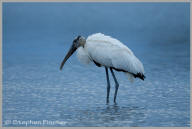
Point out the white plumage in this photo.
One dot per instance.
(110, 52)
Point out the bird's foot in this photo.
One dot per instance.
(107, 102)
(115, 103)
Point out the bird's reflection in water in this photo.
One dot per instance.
(111, 115)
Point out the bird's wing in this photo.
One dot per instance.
(113, 54)
(101, 38)
(121, 59)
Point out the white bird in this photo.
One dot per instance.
(107, 52)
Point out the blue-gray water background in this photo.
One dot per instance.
(36, 37)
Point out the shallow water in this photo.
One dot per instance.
(35, 89)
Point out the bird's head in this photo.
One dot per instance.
(77, 42)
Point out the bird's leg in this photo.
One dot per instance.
(116, 85)
(108, 84)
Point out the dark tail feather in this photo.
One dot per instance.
(140, 75)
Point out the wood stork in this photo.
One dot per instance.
(110, 53)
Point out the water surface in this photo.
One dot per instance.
(35, 89)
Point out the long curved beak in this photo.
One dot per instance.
(70, 52)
